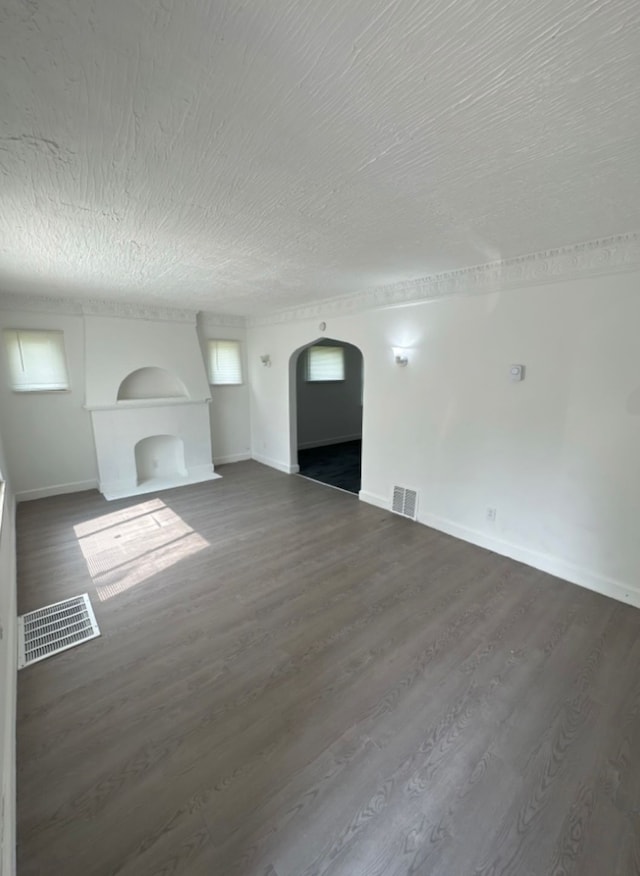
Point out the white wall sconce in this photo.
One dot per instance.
(401, 355)
(266, 360)
(516, 373)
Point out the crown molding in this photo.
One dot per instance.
(226, 320)
(78, 307)
(40, 304)
(607, 256)
(138, 311)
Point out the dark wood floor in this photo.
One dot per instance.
(292, 683)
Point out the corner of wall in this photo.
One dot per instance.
(275, 463)
(56, 490)
(372, 499)
(8, 684)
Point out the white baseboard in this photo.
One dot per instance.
(56, 490)
(233, 457)
(545, 562)
(372, 499)
(8, 686)
(275, 463)
(326, 442)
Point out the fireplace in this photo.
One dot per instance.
(150, 418)
(152, 445)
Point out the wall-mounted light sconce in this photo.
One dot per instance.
(266, 360)
(401, 355)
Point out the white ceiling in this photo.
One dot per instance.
(247, 156)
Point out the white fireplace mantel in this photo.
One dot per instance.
(147, 403)
(119, 428)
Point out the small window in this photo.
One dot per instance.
(225, 365)
(325, 364)
(36, 360)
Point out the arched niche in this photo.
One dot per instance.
(149, 383)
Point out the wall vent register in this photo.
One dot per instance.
(405, 502)
(55, 628)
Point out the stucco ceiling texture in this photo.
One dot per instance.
(247, 156)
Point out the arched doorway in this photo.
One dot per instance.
(326, 395)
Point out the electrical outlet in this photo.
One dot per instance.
(491, 514)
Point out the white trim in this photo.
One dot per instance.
(221, 320)
(545, 562)
(275, 463)
(92, 307)
(538, 560)
(231, 457)
(610, 255)
(326, 442)
(128, 403)
(56, 490)
(8, 686)
(372, 499)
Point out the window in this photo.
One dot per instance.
(225, 365)
(325, 364)
(36, 360)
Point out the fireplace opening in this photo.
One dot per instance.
(160, 458)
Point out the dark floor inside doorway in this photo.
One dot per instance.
(336, 464)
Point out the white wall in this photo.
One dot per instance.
(119, 349)
(230, 405)
(8, 669)
(48, 439)
(116, 347)
(48, 436)
(557, 455)
(330, 412)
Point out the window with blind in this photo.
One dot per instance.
(36, 360)
(325, 364)
(225, 363)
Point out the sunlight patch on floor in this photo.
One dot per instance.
(129, 546)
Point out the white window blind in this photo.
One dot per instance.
(225, 364)
(36, 360)
(325, 363)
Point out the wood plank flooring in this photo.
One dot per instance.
(292, 683)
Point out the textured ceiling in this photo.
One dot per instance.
(247, 156)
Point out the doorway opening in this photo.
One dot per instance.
(326, 413)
